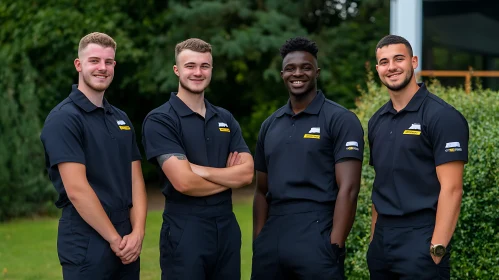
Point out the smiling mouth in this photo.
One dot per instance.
(100, 76)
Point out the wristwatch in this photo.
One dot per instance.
(437, 250)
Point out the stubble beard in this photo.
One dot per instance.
(189, 89)
(402, 85)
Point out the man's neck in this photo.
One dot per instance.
(194, 101)
(300, 103)
(95, 97)
(402, 97)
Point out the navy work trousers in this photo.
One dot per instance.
(297, 246)
(200, 242)
(85, 255)
(400, 249)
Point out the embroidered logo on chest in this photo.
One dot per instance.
(414, 129)
(314, 133)
(122, 125)
(223, 127)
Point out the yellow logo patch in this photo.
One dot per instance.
(312, 136)
(224, 129)
(412, 132)
(124, 127)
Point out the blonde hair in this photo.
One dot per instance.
(98, 38)
(193, 44)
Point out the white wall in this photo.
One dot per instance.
(406, 20)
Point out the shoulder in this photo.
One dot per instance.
(164, 112)
(337, 113)
(435, 108)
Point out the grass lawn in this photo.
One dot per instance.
(28, 247)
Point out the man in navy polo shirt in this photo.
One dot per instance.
(201, 151)
(419, 145)
(308, 161)
(94, 163)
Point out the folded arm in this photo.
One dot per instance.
(178, 171)
(235, 175)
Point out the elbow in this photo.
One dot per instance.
(245, 179)
(181, 187)
(350, 191)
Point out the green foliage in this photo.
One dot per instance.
(24, 188)
(476, 239)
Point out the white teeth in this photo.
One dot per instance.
(297, 82)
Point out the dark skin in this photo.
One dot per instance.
(300, 73)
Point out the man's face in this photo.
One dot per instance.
(300, 72)
(194, 70)
(96, 66)
(395, 66)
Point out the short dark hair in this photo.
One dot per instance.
(393, 40)
(299, 44)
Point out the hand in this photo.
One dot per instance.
(115, 244)
(130, 247)
(233, 159)
(437, 260)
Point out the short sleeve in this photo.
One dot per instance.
(260, 162)
(449, 134)
(160, 135)
(348, 137)
(62, 138)
(237, 143)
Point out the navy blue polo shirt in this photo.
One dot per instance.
(407, 146)
(299, 151)
(102, 139)
(175, 128)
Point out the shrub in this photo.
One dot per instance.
(476, 239)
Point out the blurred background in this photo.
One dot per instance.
(456, 41)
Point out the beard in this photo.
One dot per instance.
(189, 89)
(98, 87)
(402, 85)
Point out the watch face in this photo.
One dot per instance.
(439, 251)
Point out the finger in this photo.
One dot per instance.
(233, 160)
(239, 159)
(228, 160)
(123, 242)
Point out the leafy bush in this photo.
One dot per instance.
(24, 187)
(476, 239)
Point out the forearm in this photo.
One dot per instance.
(138, 212)
(374, 218)
(260, 212)
(344, 214)
(197, 186)
(232, 177)
(90, 209)
(449, 204)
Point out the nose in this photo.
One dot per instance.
(391, 66)
(298, 72)
(102, 66)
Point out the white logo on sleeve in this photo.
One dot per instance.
(452, 147)
(315, 130)
(222, 124)
(120, 122)
(352, 145)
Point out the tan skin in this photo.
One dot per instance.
(300, 73)
(194, 70)
(95, 66)
(394, 65)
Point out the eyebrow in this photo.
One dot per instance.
(395, 56)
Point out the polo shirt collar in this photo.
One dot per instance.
(183, 110)
(83, 102)
(413, 105)
(312, 109)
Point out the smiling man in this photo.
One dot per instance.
(202, 155)
(308, 161)
(419, 145)
(94, 163)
